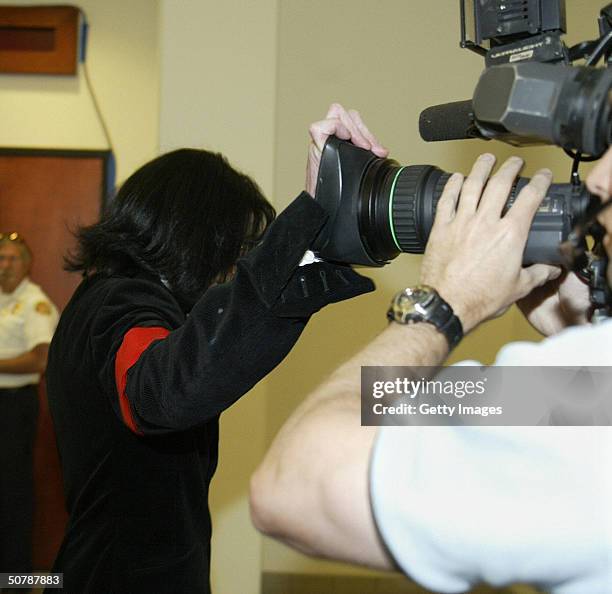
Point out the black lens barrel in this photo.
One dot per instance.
(374, 214)
(397, 207)
(414, 201)
(394, 217)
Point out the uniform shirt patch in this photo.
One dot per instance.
(43, 307)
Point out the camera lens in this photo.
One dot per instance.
(378, 208)
(583, 117)
(398, 206)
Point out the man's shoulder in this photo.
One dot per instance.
(140, 288)
(100, 287)
(34, 296)
(590, 344)
(110, 297)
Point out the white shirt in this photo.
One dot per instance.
(27, 318)
(462, 505)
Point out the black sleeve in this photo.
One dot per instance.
(234, 335)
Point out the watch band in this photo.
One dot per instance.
(444, 319)
(431, 308)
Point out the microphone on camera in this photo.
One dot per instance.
(449, 121)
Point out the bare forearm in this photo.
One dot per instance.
(418, 345)
(311, 491)
(34, 361)
(411, 346)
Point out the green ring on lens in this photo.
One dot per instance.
(391, 208)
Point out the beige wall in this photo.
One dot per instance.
(57, 111)
(218, 92)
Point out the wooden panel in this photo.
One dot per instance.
(295, 583)
(39, 39)
(43, 197)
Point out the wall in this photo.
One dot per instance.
(218, 74)
(390, 59)
(39, 111)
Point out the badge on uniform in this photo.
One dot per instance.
(43, 307)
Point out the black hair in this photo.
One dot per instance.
(187, 216)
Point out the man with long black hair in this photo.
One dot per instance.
(190, 296)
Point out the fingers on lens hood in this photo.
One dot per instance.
(377, 208)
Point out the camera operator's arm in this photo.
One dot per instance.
(311, 491)
(556, 305)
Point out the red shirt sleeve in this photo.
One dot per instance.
(134, 343)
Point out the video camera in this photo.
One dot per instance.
(529, 93)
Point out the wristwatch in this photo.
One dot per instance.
(424, 304)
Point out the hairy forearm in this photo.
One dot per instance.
(412, 346)
(34, 361)
(311, 491)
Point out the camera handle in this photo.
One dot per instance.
(601, 297)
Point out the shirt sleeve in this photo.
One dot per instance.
(461, 505)
(40, 322)
(193, 368)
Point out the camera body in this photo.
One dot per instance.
(514, 30)
(528, 93)
(530, 90)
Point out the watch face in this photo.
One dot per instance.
(423, 304)
(420, 295)
(407, 305)
(412, 304)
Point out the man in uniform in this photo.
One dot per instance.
(27, 322)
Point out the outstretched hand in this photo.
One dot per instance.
(344, 124)
(474, 254)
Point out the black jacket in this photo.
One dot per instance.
(139, 519)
